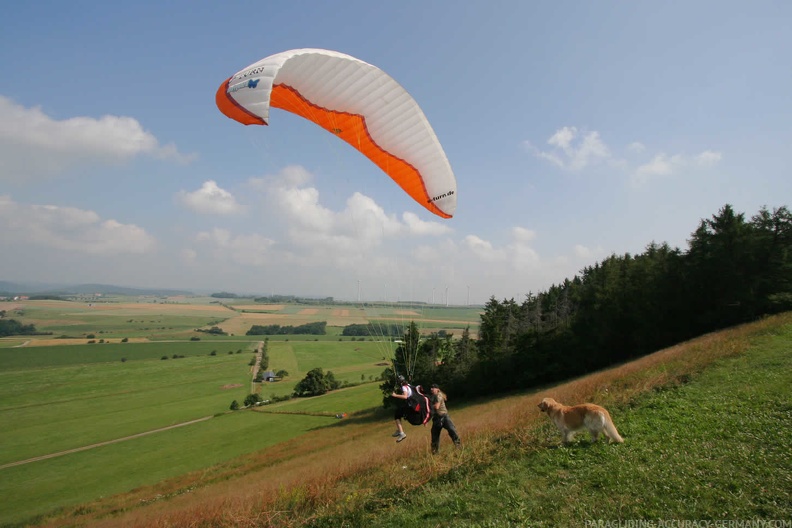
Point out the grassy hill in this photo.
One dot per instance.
(707, 423)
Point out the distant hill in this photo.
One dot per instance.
(14, 288)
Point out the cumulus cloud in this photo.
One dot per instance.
(33, 144)
(636, 146)
(664, 165)
(660, 165)
(576, 150)
(573, 150)
(362, 223)
(523, 235)
(210, 199)
(294, 229)
(416, 226)
(248, 249)
(70, 229)
(484, 249)
(587, 254)
(517, 254)
(708, 158)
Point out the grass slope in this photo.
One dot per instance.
(707, 428)
(717, 448)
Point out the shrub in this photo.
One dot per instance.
(252, 399)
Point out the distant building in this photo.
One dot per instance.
(269, 376)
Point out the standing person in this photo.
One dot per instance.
(441, 420)
(401, 409)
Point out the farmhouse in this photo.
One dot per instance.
(269, 376)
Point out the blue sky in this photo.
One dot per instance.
(575, 130)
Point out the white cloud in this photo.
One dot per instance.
(297, 232)
(483, 249)
(563, 138)
(587, 254)
(362, 224)
(664, 165)
(661, 165)
(419, 227)
(517, 254)
(70, 229)
(210, 199)
(573, 150)
(32, 144)
(246, 249)
(522, 234)
(636, 146)
(708, 158)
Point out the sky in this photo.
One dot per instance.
(576, 130)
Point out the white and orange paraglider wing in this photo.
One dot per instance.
(359, 103)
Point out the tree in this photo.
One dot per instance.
(252, 399)
(9, 327)
(234, 405)
(316, 383)
(264, 364)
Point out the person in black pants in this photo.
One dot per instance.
(441, 420)
(401, 409)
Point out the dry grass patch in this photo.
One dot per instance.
(241, 323)
(150, 308)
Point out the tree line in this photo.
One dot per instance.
(11, 327)
(734, 270)
(315, 328)
(370, 330)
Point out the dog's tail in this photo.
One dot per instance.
(610, 430)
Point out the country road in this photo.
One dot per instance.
(255, 368)
(100, 444)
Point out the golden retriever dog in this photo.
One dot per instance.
(587, 415)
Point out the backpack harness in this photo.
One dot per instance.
(418, 409)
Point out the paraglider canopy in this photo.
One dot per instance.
(355, 101)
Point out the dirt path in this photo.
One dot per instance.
(100, 444)
(259, 352)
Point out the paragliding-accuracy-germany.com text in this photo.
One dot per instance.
(689, 523)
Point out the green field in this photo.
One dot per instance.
(715, 446)
(110, 320)
(58, 393)
(60, 398)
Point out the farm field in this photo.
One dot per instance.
(721, 399)
(56, 407)
(137, 381)
(114, 319)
